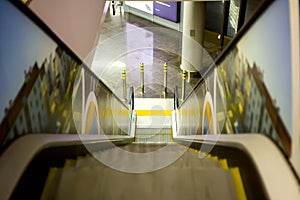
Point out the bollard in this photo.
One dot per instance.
(183, 85)
(124, 84)
(165, 77)
(142, 77)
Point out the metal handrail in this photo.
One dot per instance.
(131, 98)
(176, 100)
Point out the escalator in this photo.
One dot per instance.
(66, 169)
(123, 167)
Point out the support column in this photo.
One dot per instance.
(193, 36)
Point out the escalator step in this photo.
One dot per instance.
(52, 183)
(105, 183)
(69, 163)
(238, 183)
(188, 177)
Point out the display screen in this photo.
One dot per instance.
(167, 10)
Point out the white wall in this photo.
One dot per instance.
(76, 22)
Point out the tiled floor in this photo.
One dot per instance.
(127, 40)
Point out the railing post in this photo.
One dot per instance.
(165, 78)
(142, 78)
(124, 84)
(183, 85)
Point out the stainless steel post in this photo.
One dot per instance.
(142, 78)
(165, 77)
(124, 84)
(183, 85)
